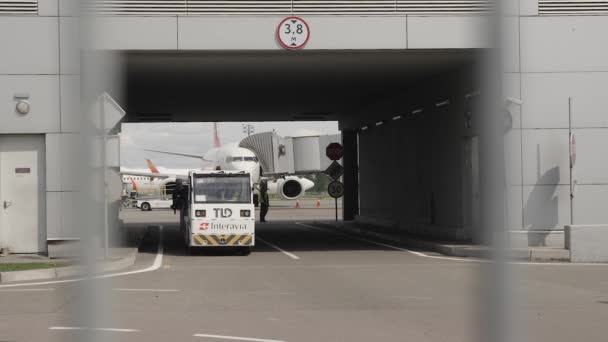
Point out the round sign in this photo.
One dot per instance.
(293, 33)
(572, 150)
(335, 189)
(334, 151)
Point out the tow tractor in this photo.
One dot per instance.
(216, 210)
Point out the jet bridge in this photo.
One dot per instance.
(290, 155)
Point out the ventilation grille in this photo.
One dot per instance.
(18, 7)
(285, 7)
(573, 7)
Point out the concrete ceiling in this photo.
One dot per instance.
(277, 85)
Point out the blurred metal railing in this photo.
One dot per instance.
(285, 7)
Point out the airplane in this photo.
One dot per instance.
(223, 157)
(145, 182)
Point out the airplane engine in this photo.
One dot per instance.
(290, 188)
(167, 186)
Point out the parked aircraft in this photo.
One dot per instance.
(223, 157)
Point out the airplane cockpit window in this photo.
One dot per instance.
(254, 159)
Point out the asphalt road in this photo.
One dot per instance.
(278, 211)
(302, 283)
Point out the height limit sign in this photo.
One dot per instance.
(293, 33)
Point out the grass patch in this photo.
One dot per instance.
(9, 267)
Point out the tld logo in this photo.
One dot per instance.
(223, 213)
(203, 226)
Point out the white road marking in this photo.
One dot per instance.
(451, 258)
(291, 255)
(367, 240)
(158, 261)
(268, 293)
(147, 290)
(236, 338)
(95, 329)
(26, 290)
(410, 297)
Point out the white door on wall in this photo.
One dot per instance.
(22, 193)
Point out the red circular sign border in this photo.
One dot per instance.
(341, 154)
(285, 46)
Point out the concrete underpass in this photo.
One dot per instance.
(407, 119)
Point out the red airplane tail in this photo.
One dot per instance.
(151, 166)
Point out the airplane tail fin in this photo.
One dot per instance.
(151, 166)
(134, 184)
(216, 136)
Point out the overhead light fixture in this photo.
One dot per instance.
(379, 123)
(364, 128)
(417, 111)
(23, 107)
(398, 117)
(444, 103)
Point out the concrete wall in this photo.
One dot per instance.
(547, 60)
(41, 58)
(561, 58)
(412, 168)
(327, 32)
(587, 243)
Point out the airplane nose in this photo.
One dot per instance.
(254, 170)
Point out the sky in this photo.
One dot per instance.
(197, 138)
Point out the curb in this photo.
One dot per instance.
(520, 254)
(68, 271)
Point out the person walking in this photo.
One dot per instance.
(264, 201)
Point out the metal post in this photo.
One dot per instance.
(104, 149)
(350, 202)
(336, 205)
(570, 158)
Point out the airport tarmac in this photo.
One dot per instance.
(301, 283)
(278, 211)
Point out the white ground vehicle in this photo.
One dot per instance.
(158, 203)
(218, 210)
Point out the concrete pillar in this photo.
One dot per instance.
(351, 174)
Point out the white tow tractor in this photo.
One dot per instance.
(216, 210)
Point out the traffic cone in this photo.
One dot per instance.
(318, 203)
(297, 203)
